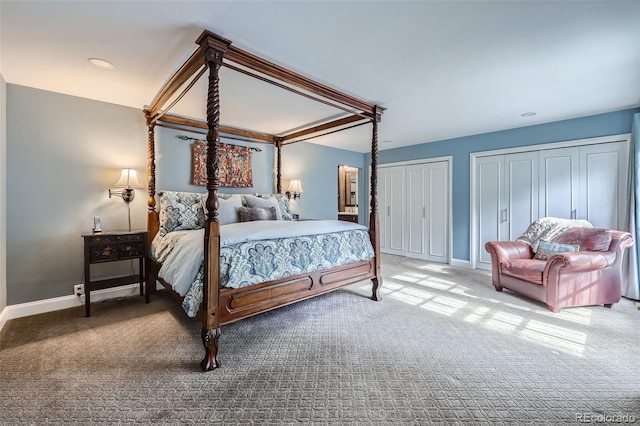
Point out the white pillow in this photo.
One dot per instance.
(265, 203)
(228, 206)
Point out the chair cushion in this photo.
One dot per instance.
(546, 249)
(589, 239)
(525, 269)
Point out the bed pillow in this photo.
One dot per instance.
(546, 249)
(283, 204)
(180, 211)
(249, 214)
(265, 203)
(228, 205)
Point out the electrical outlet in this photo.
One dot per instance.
(78, 289)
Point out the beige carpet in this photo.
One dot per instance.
(442, 348)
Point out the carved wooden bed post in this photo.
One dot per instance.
(213, 49)
(153, 221)
(279, 166)
(374, 224)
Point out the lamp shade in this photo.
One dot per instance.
(295, 186)
(128, 179)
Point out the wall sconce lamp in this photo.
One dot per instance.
(295, 189)
(128, 180)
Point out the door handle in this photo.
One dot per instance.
(504, 215)
(388, 210)
(424, 212)
(573, 214)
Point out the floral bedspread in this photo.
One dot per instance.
(250, 262)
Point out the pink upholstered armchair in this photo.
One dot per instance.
(590, 276)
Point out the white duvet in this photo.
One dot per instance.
(183, 262)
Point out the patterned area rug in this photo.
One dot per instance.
(442, 348)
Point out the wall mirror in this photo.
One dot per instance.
(348, 189)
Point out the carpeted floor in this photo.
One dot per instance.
(442, 348)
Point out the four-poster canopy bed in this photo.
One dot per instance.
(223, 305)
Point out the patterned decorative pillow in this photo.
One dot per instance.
(249, 214)
(546, 249)
(180, 211)
(265, 203)
(283, 204)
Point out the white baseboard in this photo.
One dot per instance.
(3, 317)
(63, 302)
(459, 263)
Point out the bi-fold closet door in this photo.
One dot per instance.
(587, 182)
(391, 199)
(414, 213)
(578, 182)
(506, 199)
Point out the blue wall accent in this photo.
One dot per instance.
(315, 165)
(174, 169)
(317, 168)
(460, 148)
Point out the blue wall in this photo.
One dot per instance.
(460, 148)
(317, 167)
(174, 171)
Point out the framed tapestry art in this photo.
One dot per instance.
(234, 166)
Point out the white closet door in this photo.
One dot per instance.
(521, 201)
(559, 182)
(428, 211)
(437, 211)
(603, 184)
(416, 210)
(513, 190)
(489, 210)
(506, 199)
(415, 207)
(395, 210)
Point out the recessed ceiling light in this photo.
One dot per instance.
(101, 63)
(528, 114)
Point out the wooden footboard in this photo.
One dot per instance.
(236, 304)
(239, 303)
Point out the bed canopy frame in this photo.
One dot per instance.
(223, 306)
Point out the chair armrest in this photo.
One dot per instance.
(506, 250)
(580, 261)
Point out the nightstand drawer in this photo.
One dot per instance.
(103, 252)
(131, 249)
(102, 240)
(131, 237)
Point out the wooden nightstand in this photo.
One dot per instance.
(112, 246)
(348, 217)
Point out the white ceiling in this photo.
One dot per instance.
(443, 69)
